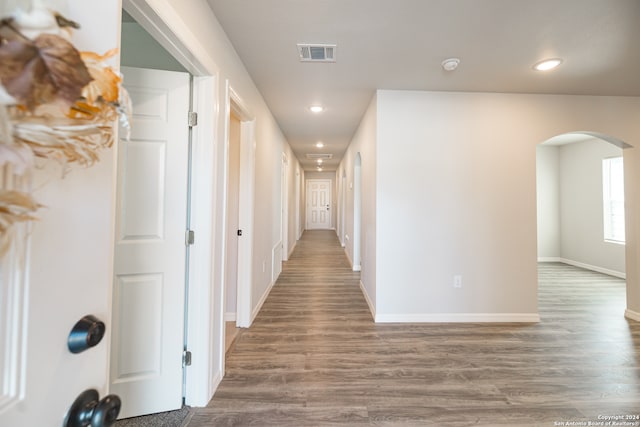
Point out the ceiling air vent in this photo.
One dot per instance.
(317, 52)
(316, 156)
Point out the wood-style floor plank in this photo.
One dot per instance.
(314, 357)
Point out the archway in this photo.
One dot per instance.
(575, 213)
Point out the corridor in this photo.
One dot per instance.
(314, 357)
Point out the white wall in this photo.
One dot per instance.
(364, 142)
(215, 48)
(581, 209)
(456, 189)
(548, 201)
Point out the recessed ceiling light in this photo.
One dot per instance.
(316, 109)
(319, 161)
(319, 169)
(547, 64)
(319, 144)
(450, 64)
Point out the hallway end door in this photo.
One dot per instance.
(318, 204)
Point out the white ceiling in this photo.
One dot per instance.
(400, 44)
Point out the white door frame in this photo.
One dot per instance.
(205, 331)
(357, 213)
(343, 207)
(284, 196)
(245, 204)
(298, 179)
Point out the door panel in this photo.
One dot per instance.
(143, 190)
(62, 273)
(319, 204)
(149, 280)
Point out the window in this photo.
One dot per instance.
(613, 199)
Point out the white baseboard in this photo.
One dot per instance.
(217, 379)
(633, 315)
(348, 258)
(459, 318)
(257, 308)
(372, 308)
(292, 249)
(618, 274)
(230, 317)
(357, 268)
(550, 259)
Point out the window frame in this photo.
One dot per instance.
(613, 200)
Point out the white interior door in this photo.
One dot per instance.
(318, 204)
(149, 265)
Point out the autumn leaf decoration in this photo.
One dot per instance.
(40, 71)
(55, 103)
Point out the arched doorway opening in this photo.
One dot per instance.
(581, 221)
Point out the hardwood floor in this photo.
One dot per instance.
(314, 357)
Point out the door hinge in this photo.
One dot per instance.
(186, 358)
(189, 237)
(193, 119)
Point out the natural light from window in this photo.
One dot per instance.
(613, 199)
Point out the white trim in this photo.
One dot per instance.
(258, 306)
(229, 317)
(205, 328)
(549, 259)
(586, 266)
(346, 252)
(372, 308)
(295, 243)
(633, 315)
(297, 208)
(276, 261)
(162, 22)
(216, 380)
(459, 318)
(284, 203)
(357, 268)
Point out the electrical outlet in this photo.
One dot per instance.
(457, 281)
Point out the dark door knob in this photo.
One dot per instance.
(87, 410)
(85, 334)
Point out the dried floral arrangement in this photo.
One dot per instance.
(55, 103)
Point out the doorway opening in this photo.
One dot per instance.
(357, 213)
(245, 193)
(343, 208)
(203, 328)
(573, 211)
(151, 259)
(232, 229)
